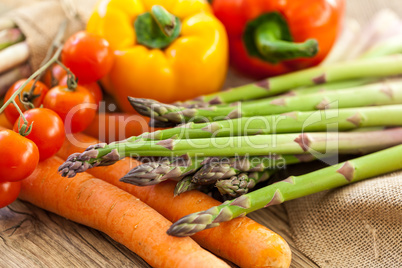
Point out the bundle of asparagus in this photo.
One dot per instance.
(235, 139)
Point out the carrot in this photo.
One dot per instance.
(109, 127)
(100, 205)
(242, 240)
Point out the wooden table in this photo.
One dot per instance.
(32, 237)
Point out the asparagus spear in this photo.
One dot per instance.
(318, 144)
(222, 168)
(342, 119)
(155, 172)
(240, 184)
(374, 94)
(291, 188)
(185, 185)
(359, 68)
(212, 169)
(337, 85)
(293, 92)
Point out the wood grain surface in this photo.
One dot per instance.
(32, 237)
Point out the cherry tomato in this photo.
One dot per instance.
(47, 130)
(9, 192)
(76, 107)
(93, 87)
(57, 72)
(19, 156)
(88, 56)
(40, 90)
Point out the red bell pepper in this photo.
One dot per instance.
(271, 37)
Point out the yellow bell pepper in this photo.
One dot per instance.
(189, 64)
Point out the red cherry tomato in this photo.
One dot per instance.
(19, 156)
(9, 192)
(88, 56)
(56, 72)
(47, 130)
(76, 107)
(40, 90)
(93, 87)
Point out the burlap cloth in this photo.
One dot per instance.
(40, 20)
(355, 226)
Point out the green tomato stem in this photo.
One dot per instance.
(72, 81)
(22, 130)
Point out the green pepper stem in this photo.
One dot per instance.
(267, 38)
(157, 29)
(165, 20)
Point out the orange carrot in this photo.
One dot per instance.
(242, 241)
(109, 127)
(122, 216)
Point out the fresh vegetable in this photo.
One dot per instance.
(88, 56)
(118, 214)
(274, 37)
(47, 130)
(368, 95)
(240, 184)
(316, 143)
(76, 107)
(155, 172)
(20, 156)
(54, 75)
(4, 121)
(322, 120)
(291, 188)
(9, 192)
(205, 170)
(109, 127)
(232, 240)
(223, 167)
(92, 87)
(356, 69)
(151, 64)
(347, 98)
(35, 98)
(184, 185)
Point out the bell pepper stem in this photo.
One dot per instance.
(157, 29)
(165, 20)
(268, 41)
